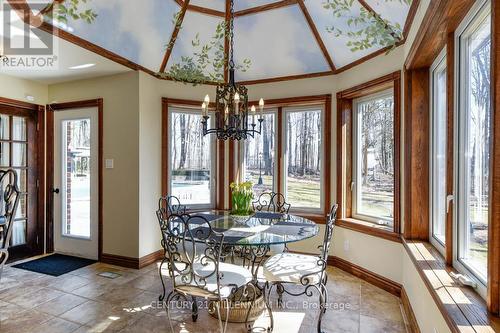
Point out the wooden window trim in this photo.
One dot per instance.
(345, 154)
(462, 307)
(280, 104)
(219, 155)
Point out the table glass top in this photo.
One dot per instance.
(262, 228)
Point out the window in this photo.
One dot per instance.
(191, 159)
(368, 157)
(303, 157)
(289, 156)
(260, 156)
(438, 160)
(373, 158)
(473, 141)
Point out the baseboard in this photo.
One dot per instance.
(408, 311)
(150, 258)
(129, 262)
(364, 274)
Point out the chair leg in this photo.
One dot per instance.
(194, 309)
(267, 297)
(167, 308)
(217, 306)
(280, 290)
(162, 296)
(227, 314)
(322, 305)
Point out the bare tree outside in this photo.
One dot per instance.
(478, 146)
(190, 159)
(303, 174)
(375, 158)
(260, 156)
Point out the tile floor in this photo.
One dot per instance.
(82, 301)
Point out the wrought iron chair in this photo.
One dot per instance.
(9, 192)
(271, 202)
(197, 272)
(308, 271)
(167, 206)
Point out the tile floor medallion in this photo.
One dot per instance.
(82, 301)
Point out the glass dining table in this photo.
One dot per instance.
(248, 240)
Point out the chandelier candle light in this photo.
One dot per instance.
(232, 117)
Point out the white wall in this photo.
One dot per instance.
(18, 89)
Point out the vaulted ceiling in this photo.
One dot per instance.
(273, 39)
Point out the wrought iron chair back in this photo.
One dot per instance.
(9, 193)
(194, 251)
(327, 240)
(271, 202)
(168, 205)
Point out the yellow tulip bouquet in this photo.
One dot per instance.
(242, 196)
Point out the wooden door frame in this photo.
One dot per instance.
(51, 108)
(40, 164)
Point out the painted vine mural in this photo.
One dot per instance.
(206, 63)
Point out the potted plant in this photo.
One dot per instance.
(242, 196)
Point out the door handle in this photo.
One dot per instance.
(56, 191)
(449, 199)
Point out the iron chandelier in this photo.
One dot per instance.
(232, 117)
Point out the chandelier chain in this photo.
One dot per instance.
(231, 34)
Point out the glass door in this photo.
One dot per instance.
(18, 150)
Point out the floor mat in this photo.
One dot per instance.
(55, 264)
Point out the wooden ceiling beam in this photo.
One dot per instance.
(316, 34)
(174, 35)
(263, 8)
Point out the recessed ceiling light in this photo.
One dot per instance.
(82, 66)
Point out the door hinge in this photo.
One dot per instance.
(36, 239)
(37, 126)
(37, 183)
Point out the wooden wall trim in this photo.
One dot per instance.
(130, 262)
(416, 141)
(19, 104)
(99, 104)
(173, 37)
(494, 216)
(366, 275)
(411, 319)
(441, 18)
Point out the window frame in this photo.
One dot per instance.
(284, 174)
(242, 149)
(345, 107)
(355, 160)
(479, 11)
(439, 64)
(186, 107)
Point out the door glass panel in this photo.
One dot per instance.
(18, 233)
(4, 127)
(303, 175)
(18, 129)
(21, 179)
(18, 154)
(4, 154)
(76, 177)
(259, 157)
(21, 207)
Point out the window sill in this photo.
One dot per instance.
(462, 307)
(369, 228)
